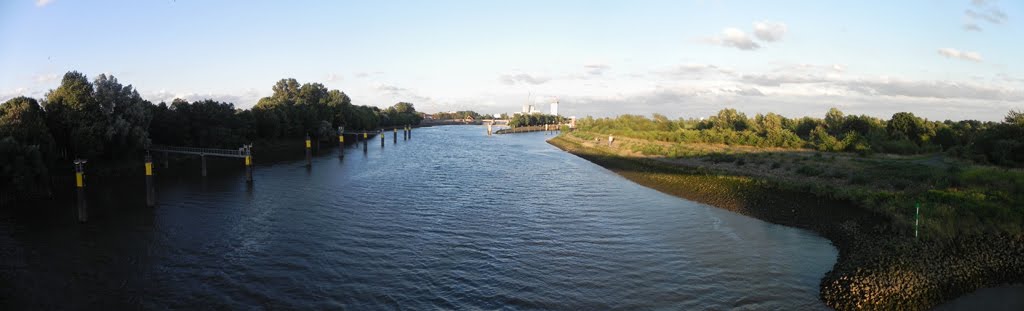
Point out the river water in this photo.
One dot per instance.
(451, 219)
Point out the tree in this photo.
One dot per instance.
(75, 119)
(730, 119)
(1015, 117)
(25, 146)
(834, 121)
(128, 127)
(22, 119)
(906, 125)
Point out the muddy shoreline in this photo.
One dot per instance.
(878, 267)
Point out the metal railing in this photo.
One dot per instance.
(239, 153)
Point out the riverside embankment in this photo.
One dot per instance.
(879, 266)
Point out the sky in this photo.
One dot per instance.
(940, 59)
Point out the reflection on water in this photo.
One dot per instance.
(449, 219)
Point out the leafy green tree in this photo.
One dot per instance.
(22, 119)
(906, 125)
(25, 146)
(1015, 117)
(834, 121)
(128, 127)
(76, 120)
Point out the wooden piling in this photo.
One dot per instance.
(341, 142)
(410, 131)
(395, 136)
(365, 139)
(381, 138)
(309, 152)
(202, 158)
(80, 190)
(150, 192)
(248, 164)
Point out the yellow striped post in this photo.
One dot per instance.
(247, 149)
(309, 152)
(150, 193)
(80, 189)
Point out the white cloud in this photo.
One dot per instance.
(522, 78)
(769, 31)
(993, 15)
(46, 78)
(332, 77)
(242, 100)
(401, 94)
(596, 69)
(733, 37)
(695, 71)
(4, 97)
(42, 3)
(965, 55)
(984, 10)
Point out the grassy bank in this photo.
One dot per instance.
(866, 210)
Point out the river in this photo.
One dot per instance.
(451, 219)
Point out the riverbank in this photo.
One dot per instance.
(880, 264)
(528, 129)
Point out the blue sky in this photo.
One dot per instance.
(939, 59)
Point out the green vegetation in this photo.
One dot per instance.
(523, 119)
(458, 115)
(105, 121)
(971, 215)
(886, 166)
(996, 143)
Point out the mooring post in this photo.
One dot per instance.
(150, 193)
(395, 136)
(381, 133)
(489, 129)
(309, 152)
(405, 133)
(167, 163)
(202, 158)
(365, 139)
(341, 142)
(248, 163)
(410, 130)
(80, 188)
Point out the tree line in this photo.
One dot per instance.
(998, 143)
(528, 119)
(457, 115)
(103, 120)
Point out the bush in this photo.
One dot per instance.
(808, 170)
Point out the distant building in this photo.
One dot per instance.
(554, 107)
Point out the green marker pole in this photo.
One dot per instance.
(917, 217)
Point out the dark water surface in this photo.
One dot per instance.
(451, 219)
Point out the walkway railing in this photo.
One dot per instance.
(239, 153)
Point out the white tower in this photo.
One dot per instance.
(554, 107)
